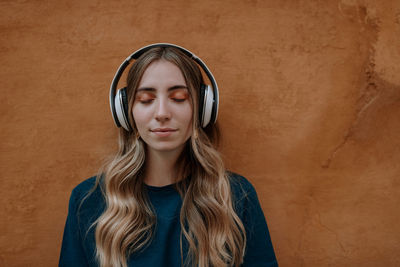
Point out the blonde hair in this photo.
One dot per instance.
(214, 232)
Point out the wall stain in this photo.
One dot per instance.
(371, 83)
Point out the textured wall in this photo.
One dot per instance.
(310, 96)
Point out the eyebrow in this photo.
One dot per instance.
(151, 89)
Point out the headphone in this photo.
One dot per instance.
(208, 100)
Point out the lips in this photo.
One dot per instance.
(163, 132)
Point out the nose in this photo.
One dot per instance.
(162, 112)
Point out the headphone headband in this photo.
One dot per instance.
(135, 55)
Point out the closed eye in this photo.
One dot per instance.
(145, 97)
(148, 101)
(179, 99)
(179, 96)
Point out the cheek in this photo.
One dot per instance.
(187, 117)
(140, 117)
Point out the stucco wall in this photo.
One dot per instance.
(310, 107)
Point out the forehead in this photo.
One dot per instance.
(161, 73)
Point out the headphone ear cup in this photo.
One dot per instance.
(201, 103)
(207, 106)
(121, 108)
(124, 97)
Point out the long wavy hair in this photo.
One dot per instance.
(214, 233)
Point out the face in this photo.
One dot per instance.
(162, 109)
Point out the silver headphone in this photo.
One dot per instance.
(208, 100)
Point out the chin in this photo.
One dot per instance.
(166, 147)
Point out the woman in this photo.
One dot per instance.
(165, 199)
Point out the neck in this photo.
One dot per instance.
(161, 167)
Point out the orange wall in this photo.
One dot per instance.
(310, 108)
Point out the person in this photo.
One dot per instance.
(165, 198)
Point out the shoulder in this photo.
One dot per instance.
(84, 187)
(88, 191)
(240, 185)
(87, 201)
(243, 192)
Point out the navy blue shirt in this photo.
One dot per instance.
(78, 245)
